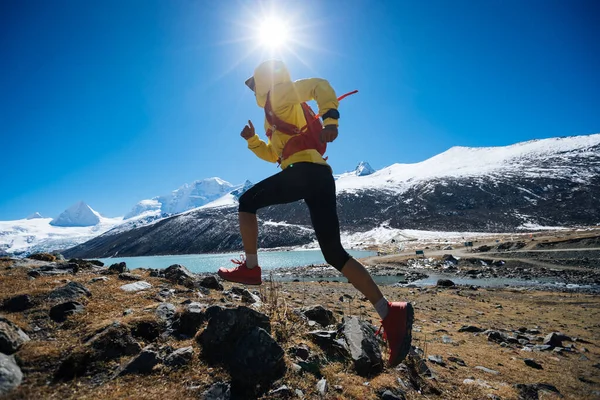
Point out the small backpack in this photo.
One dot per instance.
(307, 137)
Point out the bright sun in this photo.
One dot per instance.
(273, 33)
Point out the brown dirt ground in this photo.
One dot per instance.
(438, 312)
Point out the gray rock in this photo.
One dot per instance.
(99, 279)
(257, 359)
(302, 351)
(18, 303)
(318, 313)
(126, 276)
(118, 268)
(218, 391)
(470, 328)
(149, 330)
(328, 342)
(299, 393)
(180, 357)
(530, 391)
(191, 319)
(142, 363)
(437, 360)
(60, 312)
(445, 283)
(555, 339)
(245, 294)
(112, 342)
(71, 291)
(282, 392)
(495, 336)
(210, 282)
(10, 374)
(11, 337)
(447, 339)
(180, 275)
(239, 339)
(489, 371)
(541, 347)
(166, 311)
(532, 363)
(389, 395)
(363, 346)
(136, 286)
(457, 361)
(322, 387)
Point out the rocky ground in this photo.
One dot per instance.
(79, 330)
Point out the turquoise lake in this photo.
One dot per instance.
(199, 263)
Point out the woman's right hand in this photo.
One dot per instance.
(248, 131)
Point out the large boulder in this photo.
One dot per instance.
(240, 339)
(363, 346)
(11, 337)
(180, 275)
(18, 303)
(69, 292)
(62, 311)
(118, 268)
(10, 374)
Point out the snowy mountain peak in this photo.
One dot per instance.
(35, 215)
(151, 206)
(363, 169)
(79, 214)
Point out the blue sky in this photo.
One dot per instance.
(112, 102)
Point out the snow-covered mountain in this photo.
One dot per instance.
(35, 215)
(551, 182)
(185, 198)
(364, 169)
(79, 214)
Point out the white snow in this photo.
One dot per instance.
(79, 214)
(467, 162)
(37, 235)
(363, 169)
(194, 195)
(35, 215)
(144, 207)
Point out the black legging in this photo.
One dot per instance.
(315, 184)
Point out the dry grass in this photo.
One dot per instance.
(438, 313)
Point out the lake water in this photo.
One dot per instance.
(199, 263)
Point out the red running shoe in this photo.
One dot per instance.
(241, 274)
(397, 330)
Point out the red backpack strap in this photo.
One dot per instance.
(276, 122)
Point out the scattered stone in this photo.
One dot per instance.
(180, 357)
(218, 391)
(245, 294)
(99, 279)
(143, 363)
(495, 336)
(190, 320)
(18, 303)
(166, 293)
(165, 311)
(457, 361)
(363, 346)
(282, 392)
(112, 342)
(471, 328)
(322, 387)
(555, 339)
(541, 347)
(128, 311)
(478, 382)
(126, 276)
(210, 282)
(318, 313)
(388, 395)
(532, 363)
(447, 339)
(328, 342)
(42, 257)
(437, 360)
(449, 258)
(180, 275)
(10, 374)
(530, 391)
(299, 393)
(136, 286)
(489, 371)
(70, 292)
(60, 312)
(445, 283)
(118, 268)
(11, 337)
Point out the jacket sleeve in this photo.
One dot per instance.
(262, 150)
(313, 89)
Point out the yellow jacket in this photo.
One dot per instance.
(286, 97)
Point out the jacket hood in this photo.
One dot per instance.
(266, 76)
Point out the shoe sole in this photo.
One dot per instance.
(251, 283)
(405, 347)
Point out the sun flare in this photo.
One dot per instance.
(273, 33)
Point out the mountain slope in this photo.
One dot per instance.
(552, 182)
